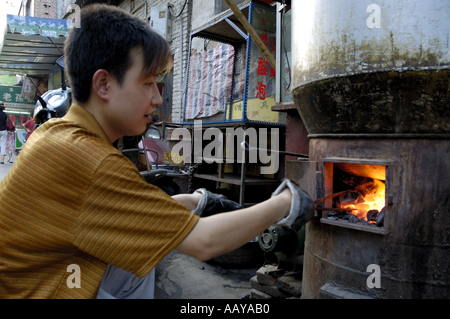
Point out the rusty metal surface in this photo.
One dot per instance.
(414, 102)
(414, 253)
(350, 37)
(381, 94)
(362, 77)
(303, 173)
(296, 135)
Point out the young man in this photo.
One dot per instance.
(89, 207)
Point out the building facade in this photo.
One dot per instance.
(52, 9)
(176, 20)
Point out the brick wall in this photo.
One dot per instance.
(45, 9)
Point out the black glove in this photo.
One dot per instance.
(302, 210)
(211, 204)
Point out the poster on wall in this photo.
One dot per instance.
(29, 88)
(210, 79)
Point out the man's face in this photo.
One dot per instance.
(133, 103)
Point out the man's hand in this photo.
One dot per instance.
(301, 210)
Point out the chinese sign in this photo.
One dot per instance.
(29, 89)
(12, 96)
(261, 89)
(260, 84)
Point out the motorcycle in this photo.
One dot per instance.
(150, 153)
(53, 103)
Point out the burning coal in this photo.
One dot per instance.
(365, 204)
(367, 197)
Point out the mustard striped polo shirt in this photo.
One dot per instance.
(71, 198)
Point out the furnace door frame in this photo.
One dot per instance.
(328, 166)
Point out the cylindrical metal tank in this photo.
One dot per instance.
(372, 82)
(365, 68)
(413, 255)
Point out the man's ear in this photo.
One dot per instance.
(100, 84)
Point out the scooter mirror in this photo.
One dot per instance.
(153, 132)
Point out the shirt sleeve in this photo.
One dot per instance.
(128, 223)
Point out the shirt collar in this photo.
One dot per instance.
(85, 119)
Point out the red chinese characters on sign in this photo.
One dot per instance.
(272, 72)
(274, 44)
(261, 91)
(264, 68)
(265, 39)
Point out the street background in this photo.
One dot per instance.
(4, 169)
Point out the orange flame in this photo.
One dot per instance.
(374, 199)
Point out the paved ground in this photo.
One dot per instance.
(4, 168)
(182, 277)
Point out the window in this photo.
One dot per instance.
(284, 49)
(285, 54)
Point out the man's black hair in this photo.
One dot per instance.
(104, 40)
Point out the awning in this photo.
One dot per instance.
(32, 45)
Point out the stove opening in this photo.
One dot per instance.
(355, 196)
